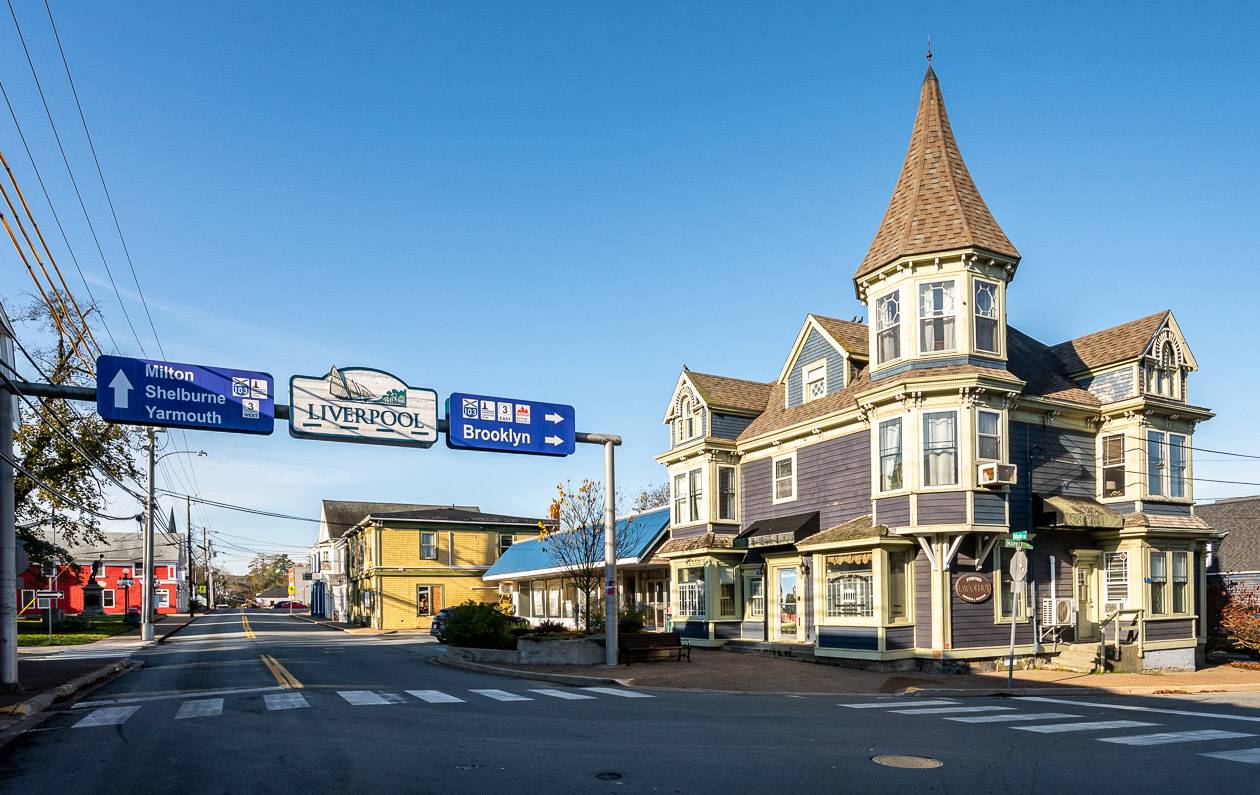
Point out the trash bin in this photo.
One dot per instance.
(133, 617)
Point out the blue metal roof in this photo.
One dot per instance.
(642, 532)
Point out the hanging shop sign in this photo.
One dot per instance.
(973, 588)
(360, 404)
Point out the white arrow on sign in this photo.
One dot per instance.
(554, 441)
(122, 390)
(553, 417)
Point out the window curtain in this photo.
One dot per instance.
(939, 449)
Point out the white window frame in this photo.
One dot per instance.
(775, 499)
(27, 597)
(1156, 455)
(733, 492)
(849, 596)
(429, 590)
(1103, 466)
(754, 597)
(811, 373)
(1116, 577)
(997, 316)
(923, 317)
(1182, 473)
(434, 535)
(879, 454)
(980, 435)
(881, 327)
(923, 450)
(110, 600)
(696, 508)
(161, 598)
(691, 594)
(679, 486)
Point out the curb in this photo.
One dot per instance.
(46, 699)
(540, 676)
(1122, 690)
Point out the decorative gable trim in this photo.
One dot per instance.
(812, 324)
(683, 389)
(1169, 330)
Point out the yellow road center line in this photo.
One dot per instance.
(282, 675)
(249, 633)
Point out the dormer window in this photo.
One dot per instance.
(888, 326)
(986, 317)
(687, 422)
(1163, 370)
(688, 419)
(936, 317)
(815, 378)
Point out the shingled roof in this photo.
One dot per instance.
(1240, 517)
(341, 515)
(1109, 346)
(723, 392)
(853, 530)
(1043, 372)
(854, 336)
(935, 205)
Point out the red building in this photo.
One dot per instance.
(121, 567)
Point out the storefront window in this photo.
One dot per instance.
(726, 591)
(850, 582)
(570, 596)
(553, 599)
(898, 579)
(691, 592)
(755, 590)
(537, 593)
(523, 603)
(1180, 581)
(1159, 581)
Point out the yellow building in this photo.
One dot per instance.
(404, 566)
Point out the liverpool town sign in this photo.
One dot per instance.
(359, 404)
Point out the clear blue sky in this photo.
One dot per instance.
(569, 201)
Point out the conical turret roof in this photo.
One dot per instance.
(935, 205)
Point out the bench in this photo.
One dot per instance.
(653, 645)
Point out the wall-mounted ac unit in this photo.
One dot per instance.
(1057, 613)
(1111, 608)
(995, 474)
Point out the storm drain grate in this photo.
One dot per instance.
(909, 762)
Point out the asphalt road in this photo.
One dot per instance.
(288, 706)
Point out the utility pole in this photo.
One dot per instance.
(610, 557)
(205, 549)
(8, 530)
(191, 578)
(146, 593)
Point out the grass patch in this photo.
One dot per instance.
(35, 633)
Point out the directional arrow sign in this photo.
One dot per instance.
(49, 594)
(509, 425)
(174, 395)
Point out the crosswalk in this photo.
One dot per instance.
(202, 708)
(1055, 723)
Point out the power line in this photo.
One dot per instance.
(63, 497)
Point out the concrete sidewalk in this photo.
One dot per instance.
(357, 630)
(750, 673)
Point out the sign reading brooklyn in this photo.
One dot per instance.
(973, 588)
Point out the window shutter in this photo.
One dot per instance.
(436, 596)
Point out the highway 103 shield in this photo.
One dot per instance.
(360, 404)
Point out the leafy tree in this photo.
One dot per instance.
(575, 544)
(43, 450)
(267, 571)
(1240, 616)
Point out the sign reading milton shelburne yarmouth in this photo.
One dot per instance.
(176, 395)
(359, 404)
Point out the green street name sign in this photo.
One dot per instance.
(1012, 544)
(1019, 535)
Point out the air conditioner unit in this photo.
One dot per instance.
(996, 474)
(1057, 613)
(1111, 608)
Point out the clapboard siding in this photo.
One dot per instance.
(948, 507)
(832, 477)
(893, 511)
(1112, 386)
(1050, 461)
(1123, 507)
(922, 601)
(729, 426)
(690, 531)
(989, 508)
(1170, 630)
(856, 638)
(752, 630)
(973, 625)
(896, 638)
(1165, 509)
(816, 347)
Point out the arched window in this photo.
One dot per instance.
(688, 419)
(1163, 374)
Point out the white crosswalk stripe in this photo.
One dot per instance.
(363, 698)
(565, 694)
(106, 716)
(1250, 756)
(435, 697)
(613, 691)
(949, 710)
(500, 695)
(200, 708)
(1013, 718)
(1089, 726)
(898, 703)
(1167, 738)
(275, 701)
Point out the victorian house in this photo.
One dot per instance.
(867, 501)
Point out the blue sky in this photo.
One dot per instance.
(569, 201)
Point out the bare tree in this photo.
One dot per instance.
(575, 544)
(654, 495)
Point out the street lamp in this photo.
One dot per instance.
(146, 601)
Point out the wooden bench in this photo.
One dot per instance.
(652, 645)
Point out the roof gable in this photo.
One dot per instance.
(722, 393)
(1122, 343)
(842, 335)
(935, 205)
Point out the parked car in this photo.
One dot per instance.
(438, 627)
(286, 604)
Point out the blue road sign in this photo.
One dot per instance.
(172, 395)
(509, 425)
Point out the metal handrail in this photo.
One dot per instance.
(1102, 641)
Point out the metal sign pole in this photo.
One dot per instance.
(1010, 663)
(8, 529)
(146, 594)
(610, 557)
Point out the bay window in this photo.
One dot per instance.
(936, 317)
(899, 564)
(726, 591)
(986, 316)
(695, 494)
(890, 455)
(989, 435)
(784, 471)
(726, 492)
(850, 586)
(1113, 466)
(1170, 595)
(1176, 465)
(691, 592)
(1158, 580)
(888, 327)
(680, 499)
(940, 448)
(1180, 581)
(1154, 463)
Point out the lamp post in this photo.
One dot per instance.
(146, 592)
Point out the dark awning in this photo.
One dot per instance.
(781, 531)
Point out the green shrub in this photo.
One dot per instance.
(631, 621)
(479, 625)
(550, 627)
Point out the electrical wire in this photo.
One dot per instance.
(58, 493)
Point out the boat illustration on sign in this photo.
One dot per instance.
(343, 388)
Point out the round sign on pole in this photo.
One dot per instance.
(1019, 566)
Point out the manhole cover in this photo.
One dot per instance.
(897, 760)
(608, 776)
